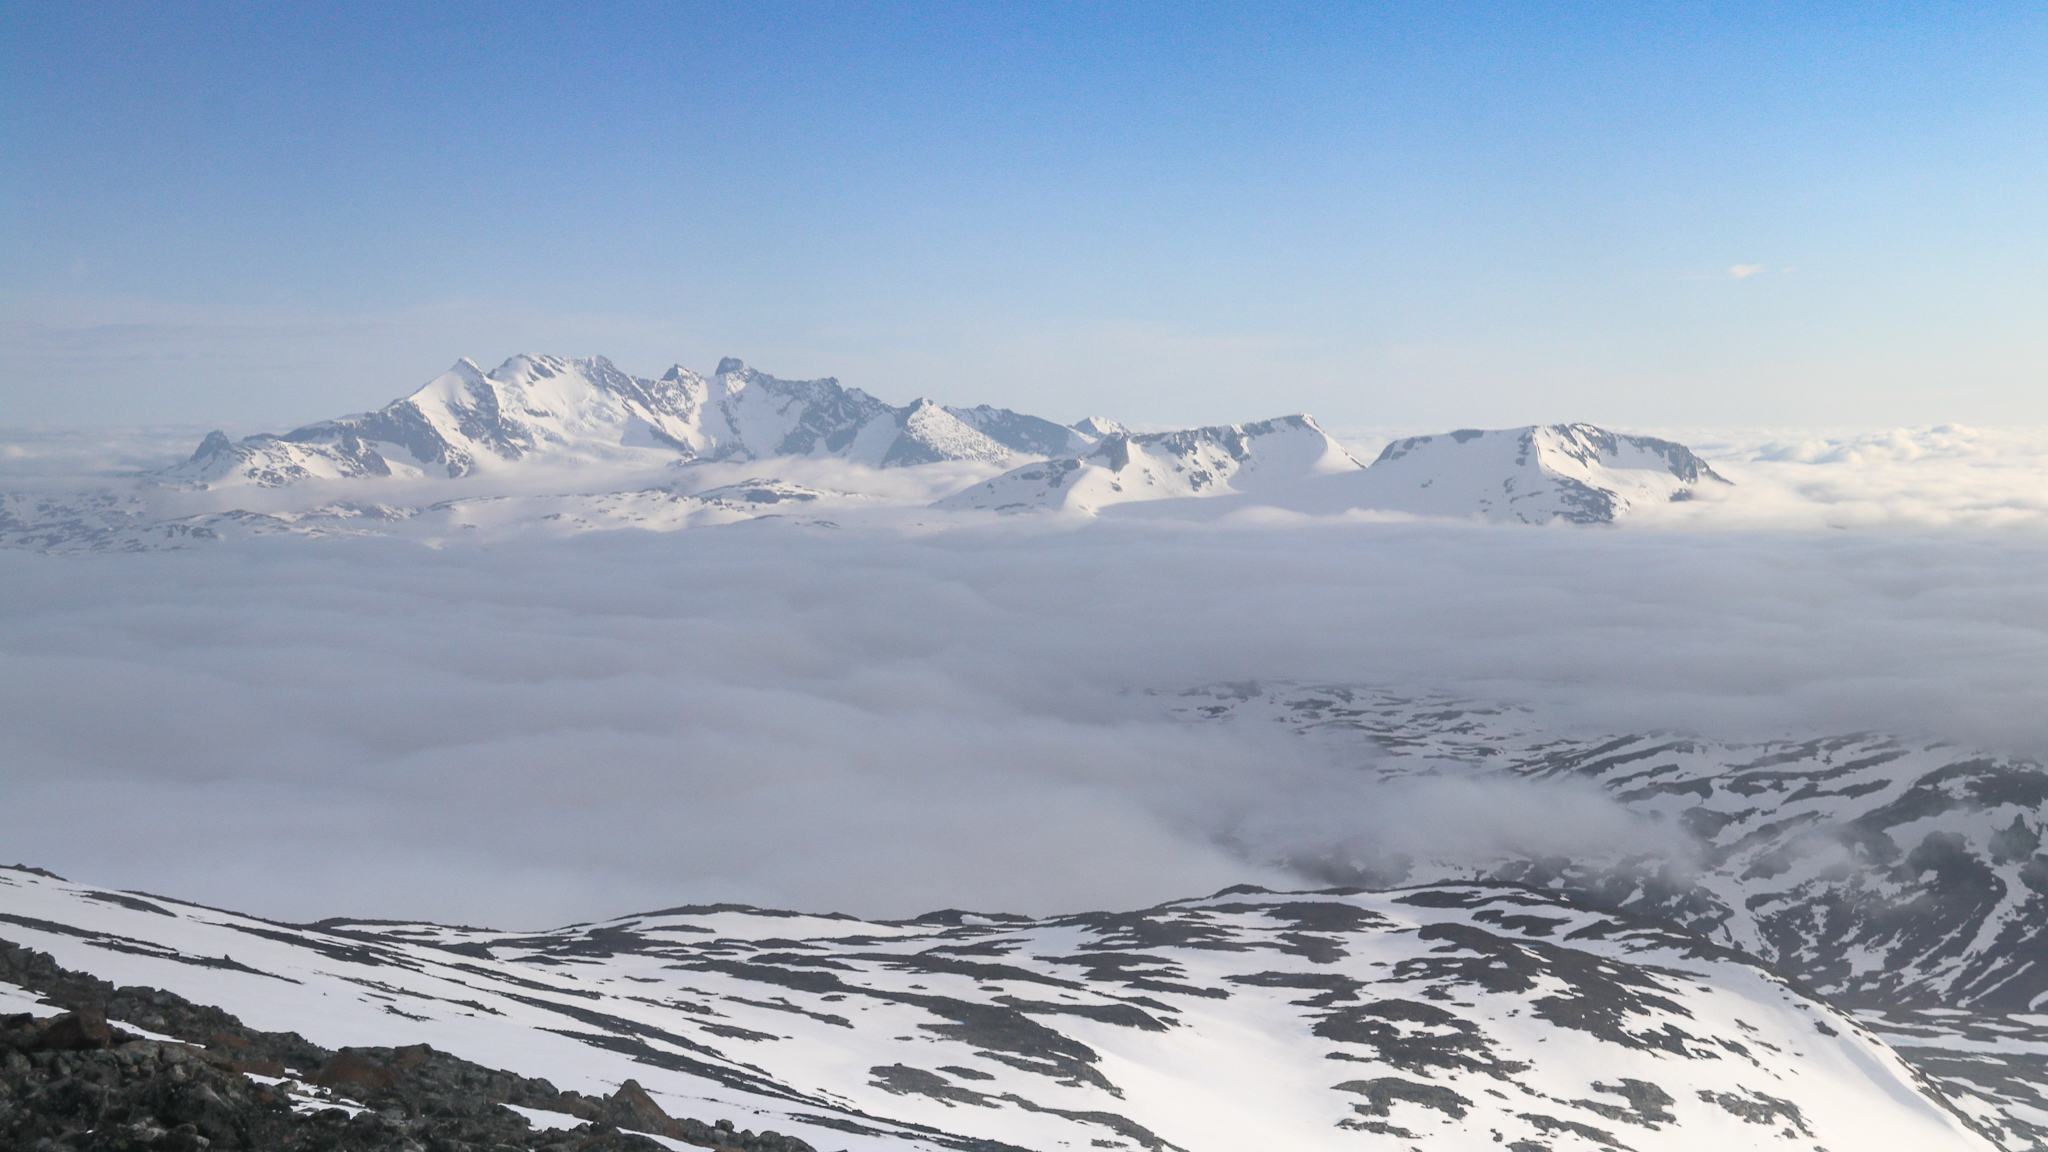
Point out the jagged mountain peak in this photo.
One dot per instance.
(931, 433)
(536, 406)
(528, 365)
(216, 441)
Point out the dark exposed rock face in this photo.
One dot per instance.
(145, 1094)
(75, 1081)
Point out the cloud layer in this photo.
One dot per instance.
(885, 722)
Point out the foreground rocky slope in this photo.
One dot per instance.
(74, 1081)
(1449, 1016)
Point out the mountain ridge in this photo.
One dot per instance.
(543, 445)
(465, 421)
(1451, 1015)
(1195, 463)
(1534, 474)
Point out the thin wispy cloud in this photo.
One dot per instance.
(1743, 271)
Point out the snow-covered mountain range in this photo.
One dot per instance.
(1571, 473)
(550, 446)
(1447, 1016)
(1575, 473)
(466, 421)
(1193, 464)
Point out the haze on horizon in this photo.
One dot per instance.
(1385, 215)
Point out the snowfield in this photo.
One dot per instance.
(1454, 1016)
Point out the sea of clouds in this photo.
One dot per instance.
(885, 721)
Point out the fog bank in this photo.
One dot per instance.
(882, 724)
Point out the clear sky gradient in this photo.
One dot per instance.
(1413, 215)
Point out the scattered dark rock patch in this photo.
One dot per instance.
(1123, 1126)
(904, 1080)
(1382, 1128)
(1416, 1037)
(1381, 1093)
(1550, 1124)
(1139, 972)
(1757, 1108)
(1155, 927)
(1646, 1103)
(1332, 986)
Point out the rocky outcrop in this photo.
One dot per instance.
(1451, 1011)
(77, 1080)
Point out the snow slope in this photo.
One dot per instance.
(1571, 472)
(1902, 878)
(466, 421)
(1199, 462)
(1454, 1016)
(1031, 434)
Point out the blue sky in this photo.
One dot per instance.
(1408, 215)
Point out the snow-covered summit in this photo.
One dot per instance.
(467, 421)
(1576, 473)
(1198, 462)
(1570, 472)
(1096, 427)
(1031, 434)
